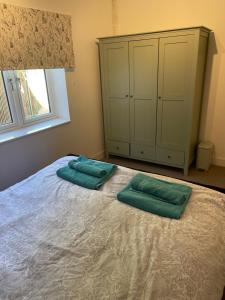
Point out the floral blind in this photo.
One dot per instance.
(33, 39)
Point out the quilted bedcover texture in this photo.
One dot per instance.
(61, 241)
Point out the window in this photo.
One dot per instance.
(29, 97)
(5, 114)
(33, 93)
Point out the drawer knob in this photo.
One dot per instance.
(117, 147)
(169, 156)
(142, 152)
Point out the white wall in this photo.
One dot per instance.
(133, 16)
(20, 158)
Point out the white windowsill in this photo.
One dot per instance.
(29, 130)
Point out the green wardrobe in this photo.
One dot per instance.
(152, 87)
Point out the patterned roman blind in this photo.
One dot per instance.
(34, 39)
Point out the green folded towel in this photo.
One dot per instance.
(166, 191)
(83, 179)
(151, 204)
(88, 169)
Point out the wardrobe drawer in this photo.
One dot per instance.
(143, 152)
(118, 148)
(170, 156)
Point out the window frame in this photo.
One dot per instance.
(58, 88)
(12, 89)
(13, 125)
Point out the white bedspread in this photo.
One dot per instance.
(61, 241)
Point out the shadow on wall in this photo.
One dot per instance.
(208, 102)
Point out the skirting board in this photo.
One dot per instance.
(220, 161)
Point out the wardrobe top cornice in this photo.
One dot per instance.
(202, 28)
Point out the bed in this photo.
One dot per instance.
(62, 241)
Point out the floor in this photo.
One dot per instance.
(213, 178)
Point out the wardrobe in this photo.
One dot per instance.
(152, 86)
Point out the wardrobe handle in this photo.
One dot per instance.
(159, 97)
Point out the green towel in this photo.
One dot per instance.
(91, 182)
(151, 203)
(107, 167)
(166, 191)
(88, 169)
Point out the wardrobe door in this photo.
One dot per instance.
(143, 57)
(115, 80)
(175, 88)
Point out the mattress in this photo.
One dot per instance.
(62, 241)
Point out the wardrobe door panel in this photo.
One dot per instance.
(174, 90)
(172, 123)
(118, 118)
(143, 127)
(116, 91)
(143, 90)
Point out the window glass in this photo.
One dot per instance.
(5, 114)
(33, 91)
